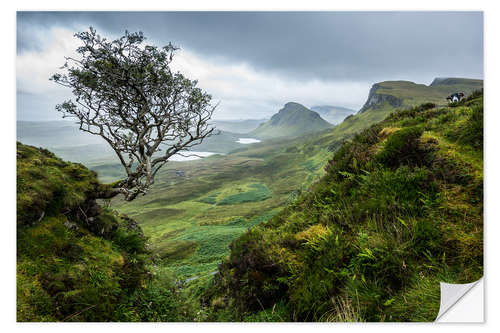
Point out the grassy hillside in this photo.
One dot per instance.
(184, 215)
(306, 262)
(192, 219)
(399, 210)
(387, 96)
(410, 94)
(291, 121)
(76, 261)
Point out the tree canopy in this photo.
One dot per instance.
(126, 92)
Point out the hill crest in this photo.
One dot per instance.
(333, 114)
(292, 120)
(395, 94)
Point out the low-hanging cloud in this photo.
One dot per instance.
(244, 92)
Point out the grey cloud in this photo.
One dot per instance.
(336, 48)
(326, 45)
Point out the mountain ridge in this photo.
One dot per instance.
(333, 114)
(402, 93)
(293, 120)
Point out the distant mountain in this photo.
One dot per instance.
(385, 97)
(333, 114)
(453, 81)
(292, 120)
(394, 94)
(238, 126)
(66, 140)
(54, 134)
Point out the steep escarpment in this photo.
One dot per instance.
(76, 261)
(377, 100)
(405, 94)
(399, 210)
(388, 96)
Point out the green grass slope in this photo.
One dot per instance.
(76, 261)
(181, 214)
(192, 219)
(292, 120)
(399, 209)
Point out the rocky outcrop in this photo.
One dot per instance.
(376, 100)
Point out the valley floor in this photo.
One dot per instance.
(196, 209)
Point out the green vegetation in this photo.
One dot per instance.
(399, 209)
(257, 192)
(75, 260)
(192, 219)
(386, 96)
(412, 94)
(366, 238)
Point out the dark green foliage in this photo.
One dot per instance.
(211, 199)
(159, 301)
(401, 147)
(471, 133)
(46, 184)
(257, 192)
(255, 288)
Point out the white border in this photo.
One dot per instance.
(492, 117)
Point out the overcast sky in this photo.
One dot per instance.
(254, 62)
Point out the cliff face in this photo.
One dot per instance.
(377, 100)
(390, 95)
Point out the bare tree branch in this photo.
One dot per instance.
(126, 93)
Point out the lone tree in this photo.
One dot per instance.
(127, 94)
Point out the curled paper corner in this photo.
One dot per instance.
(461, 303)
